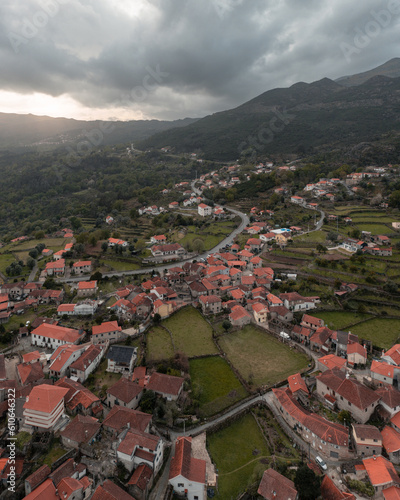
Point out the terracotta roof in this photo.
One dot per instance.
(353, 391)
(356, 348)
(87, 358)
(321, 335)
(394, 354)
(125, 390)
(30, 356)
(382, 368)
(45, 398)
(165, 384)
(296, 383)
(274, 486)
(77, 394)
(332, 361)
(329, 491)
(82, 263)
(390, 396)
(57, 332)
(46, 490)
(119, 417)
(67, 486)
(184, 464)
(392, 493)
(135, 438)
(38, 476)
(61, 356)
(380, 471)
(81, 429)
(239, 312)
(29, 373)
(87, 285)
(141, 477)
(110, 491)
(363, 431)
(209, 299)
(391, 439)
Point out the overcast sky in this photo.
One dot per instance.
(169, 59)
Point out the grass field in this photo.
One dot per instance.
(5, 260)
(260, 358)
(120, 266)
(191, 333)
(337, 320)
(375, 228)
(159, 345)
(53, 243)
(237, 451)
(215, 384)
(383, 332)
(314, 237)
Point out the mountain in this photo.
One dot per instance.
(30, 130)
(303, 118)
(390, 69)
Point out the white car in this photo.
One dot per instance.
(321, 463)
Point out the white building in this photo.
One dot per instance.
(52, 336)
(204, 210)
(44, 407)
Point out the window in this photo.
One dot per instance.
(180, 485)
(349, 403)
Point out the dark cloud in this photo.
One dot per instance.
(174, 58)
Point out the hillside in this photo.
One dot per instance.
(30, 130)
(303, 118)
(390, 69)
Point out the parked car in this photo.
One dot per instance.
(321, 463)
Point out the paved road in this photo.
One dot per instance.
(162, 268)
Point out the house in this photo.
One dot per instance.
(56, 268)
(298, 388)
(210, 304)
(36, 478)
(295, 302)
(113, 242)
(328, 438)
(311, 322)
(239, 316)
(341, 341)
(29, 373)
(349, 394)
(329, 491)
(187, 474)
(81, 430)
(106, 332)
(52, 336)
(319, 340)
(140, 483)
(63, 357)
(82, 267)
(173, 204)
(158, 239)
(167, 250)
(382, 374)
(139, 447)
(381, 474)
(391, 443)
(124, 393)
(298, 200)
(120, 418)
(204, 210)
(110, 491)
(356, 355)
(274, 486)
(331, 361)
(167, 386)
(44, 407)
(367, 440)
(392, 356)
(79, 399)
(302, 333)
(390, 401)
(87, 362)
(121, 359)
(260, 312)
(87, 288)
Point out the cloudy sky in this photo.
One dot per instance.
(169, 59)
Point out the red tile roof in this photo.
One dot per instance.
(125, 390)
(391, 439)
(394, 354)
(239, 312)
(141, 477)
(46, 490)
(332, 361)
(38, 476)
(296, 383)
(81, 429)
(110, 491)
(165, 384)
(31, 356)
(390, 396)
(392, 493)
(380, 471)
(366, 432)
(29, 373)
(382, 368)
(329, 491)
(87, 358)
(274, 486)
(119, 417)
(108, 326)
(135, 438)
(45, 398)
(355, 347)
(57, 332)
(183, 464)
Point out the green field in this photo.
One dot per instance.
(119, 266)
(159, 345)
(260, 358)
(237, 451)
(53, 243)
(338, 320)
(313, 237)
(5, 260)
(215, 385)
(383, 332)
(191, 333)
(375, 228)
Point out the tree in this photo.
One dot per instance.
(307, 483)
(156, 319)
(33, 253)
(344, 417)
(148, 402)
(226, 325)
(104, 246)
(97, 276)
(30, 262)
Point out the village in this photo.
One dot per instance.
(128, 417)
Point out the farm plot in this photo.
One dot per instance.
(260, 358)
(214, 385)
(338, 320)
(383, 332)
(159, 344)
(191, 333)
